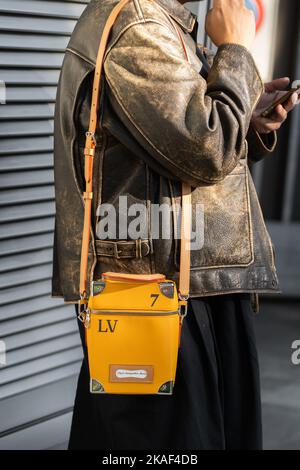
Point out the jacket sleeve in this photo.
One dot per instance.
(193, 128)
(260, 145)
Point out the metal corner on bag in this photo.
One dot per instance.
(97, 287)
(96, 387)
(167, 288)
(166, 388)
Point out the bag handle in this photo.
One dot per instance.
(89, 153)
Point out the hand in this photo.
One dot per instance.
(273, 91)
(229, 21)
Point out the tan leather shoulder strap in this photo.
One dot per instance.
(90, 147)
(186, 216)
(89, 152)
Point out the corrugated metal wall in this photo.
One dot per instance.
(42, 344)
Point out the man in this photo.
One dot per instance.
(164, 120)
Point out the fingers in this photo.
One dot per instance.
(275, 122)
(267, 125)
(277, 84)
(280, 114)
(292, 102)
(277, 119)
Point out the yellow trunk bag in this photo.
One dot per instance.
(132, 322)
(132, 334)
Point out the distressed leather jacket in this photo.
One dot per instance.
(162, 121)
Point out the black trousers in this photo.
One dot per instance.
(216, 399)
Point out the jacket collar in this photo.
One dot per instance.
(179, 13)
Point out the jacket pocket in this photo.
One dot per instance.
(222, 222)
(261, 222)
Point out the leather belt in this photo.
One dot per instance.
(123, 248)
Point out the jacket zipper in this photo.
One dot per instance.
(135, 313)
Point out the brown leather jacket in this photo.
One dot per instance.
(161, 123)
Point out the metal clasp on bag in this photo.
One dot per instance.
(183, 306)
(84, 313)
(92, 136)
(85, 317)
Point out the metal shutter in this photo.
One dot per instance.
(43, 350)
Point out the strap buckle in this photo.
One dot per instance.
(87, 195)
(91, 135)
(84, 312)
(82, 308)
(85, 318)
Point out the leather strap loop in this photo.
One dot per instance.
(89, 152)
(90, 146)
(87, 195)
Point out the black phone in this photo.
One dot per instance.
(283, 99)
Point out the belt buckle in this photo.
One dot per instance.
(139, 243)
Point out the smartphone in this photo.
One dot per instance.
(284, 98)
